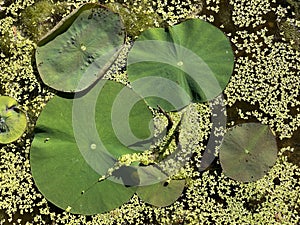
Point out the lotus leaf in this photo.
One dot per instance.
(248, 151)
(191, 61)
(13, 121)
(161, 194)
(80, 49)
(67, 160)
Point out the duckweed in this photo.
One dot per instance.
(265, 75)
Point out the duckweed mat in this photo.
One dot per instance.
(263, 88)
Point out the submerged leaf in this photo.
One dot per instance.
(80, 49)
(191, 61)
(248, 152)
(13, 121)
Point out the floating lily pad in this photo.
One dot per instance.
(191, 61)
(161, 194)
(67, 157)
(80, 49)
(248, 152)
(114, 115)
(13, 121)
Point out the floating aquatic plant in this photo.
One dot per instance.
(13, 121)
(162, 193)
(248, 151)
(80, 49)
(135, 21)
(189, 69)
(261, 202)
(192, 60)
(70, 163)
(37, 19)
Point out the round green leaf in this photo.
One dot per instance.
(80, 49)
(192, 59)
(119, 122)
(248, 151)
(13, 121)
(161, 194)
(68, 158)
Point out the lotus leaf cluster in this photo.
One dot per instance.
(78, 141)
(73, 169)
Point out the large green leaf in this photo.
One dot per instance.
(80, 49)
(70, 153)
(121, 119)
(248, 152)
(191, 61)
(13, 121)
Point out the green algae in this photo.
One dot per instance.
(291, 33)
(37, 19)
(136, 21)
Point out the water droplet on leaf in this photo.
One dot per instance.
(180, 63)
(93, 146)
(83, 48)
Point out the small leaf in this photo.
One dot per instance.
(191, 61)
(80, 49)
(161, 194)
(248, 152)
(13, 121)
